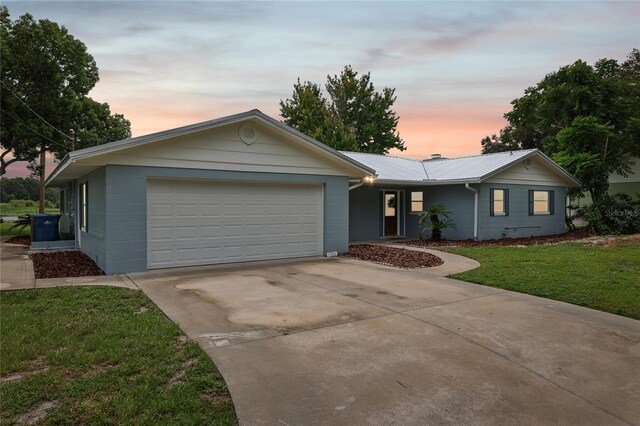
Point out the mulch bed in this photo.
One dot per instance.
(22, 240)
(392, 256)
(64, 264)
(527, 241)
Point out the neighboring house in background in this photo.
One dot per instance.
(247, 187)
(618, 183)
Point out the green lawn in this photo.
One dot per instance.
(7, 209)
(598, 277)
(103, 355)
(5, 229)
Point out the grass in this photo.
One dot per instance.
(7, 209)
(103, 355)
(5, 229)
(598, 277)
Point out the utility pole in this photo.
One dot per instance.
(43, 164)
(73, 140)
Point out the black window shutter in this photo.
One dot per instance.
(551, 201)
(381, 202)
(531, 202)
(506, 202)
(491, 210)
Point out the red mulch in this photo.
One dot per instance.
(22, 240)
(392, 256)
(526, 241)
(64, 264)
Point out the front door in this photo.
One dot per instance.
(391, 215)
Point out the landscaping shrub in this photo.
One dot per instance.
(615, 214)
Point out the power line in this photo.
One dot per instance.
(34, 130)
(39, 116)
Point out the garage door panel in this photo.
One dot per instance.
(200, 222)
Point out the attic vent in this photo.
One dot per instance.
(247, 134)
(527, 163)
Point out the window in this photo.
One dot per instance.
(540, 202)
(416, 202)
(84, 202)
(499, 202)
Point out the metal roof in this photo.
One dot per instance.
(447, 170)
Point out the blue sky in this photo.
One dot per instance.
(456, 65)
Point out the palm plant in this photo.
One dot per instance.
(22, 222)
(436, 218)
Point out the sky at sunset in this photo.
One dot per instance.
(455, 65)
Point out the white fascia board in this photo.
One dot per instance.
(166, 134)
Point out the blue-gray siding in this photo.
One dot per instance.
(93, 241)
(519, 223)
(365, 216)
(126, 245)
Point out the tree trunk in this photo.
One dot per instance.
(43, 163)
(436, 232)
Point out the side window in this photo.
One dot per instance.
(499, 202)
(540, 202)
(84, 204)
(417, 204)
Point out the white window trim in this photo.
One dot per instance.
(411, 210)
(84, 206)
(504, 202)
(548, 211)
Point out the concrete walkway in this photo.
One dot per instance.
(16, 272)
(16, 269)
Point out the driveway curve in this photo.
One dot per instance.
(345, 342)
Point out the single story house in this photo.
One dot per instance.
(247, 187)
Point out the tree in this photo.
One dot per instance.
(355, 117)
(585, 117)
(308, 112)
(45, 77)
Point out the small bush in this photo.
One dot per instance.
(614, 214)
(22, 203)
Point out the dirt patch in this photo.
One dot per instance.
(37, 413)
(526, 241)
(64, 264)
(176, 379)
(611, 241)
(21, 240)
(39, 365)
(391, 256)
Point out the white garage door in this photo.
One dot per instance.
(206, 222)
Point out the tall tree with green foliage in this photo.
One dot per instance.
(585, 117)
(355, 117)
(45, 77)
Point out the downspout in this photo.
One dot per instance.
(475, 210)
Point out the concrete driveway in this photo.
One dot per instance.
(338, 341)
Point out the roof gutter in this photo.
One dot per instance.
(360, 182)
(425, 182)
(475, 210)
(63, 165)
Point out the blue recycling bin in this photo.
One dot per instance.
(44, 227)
